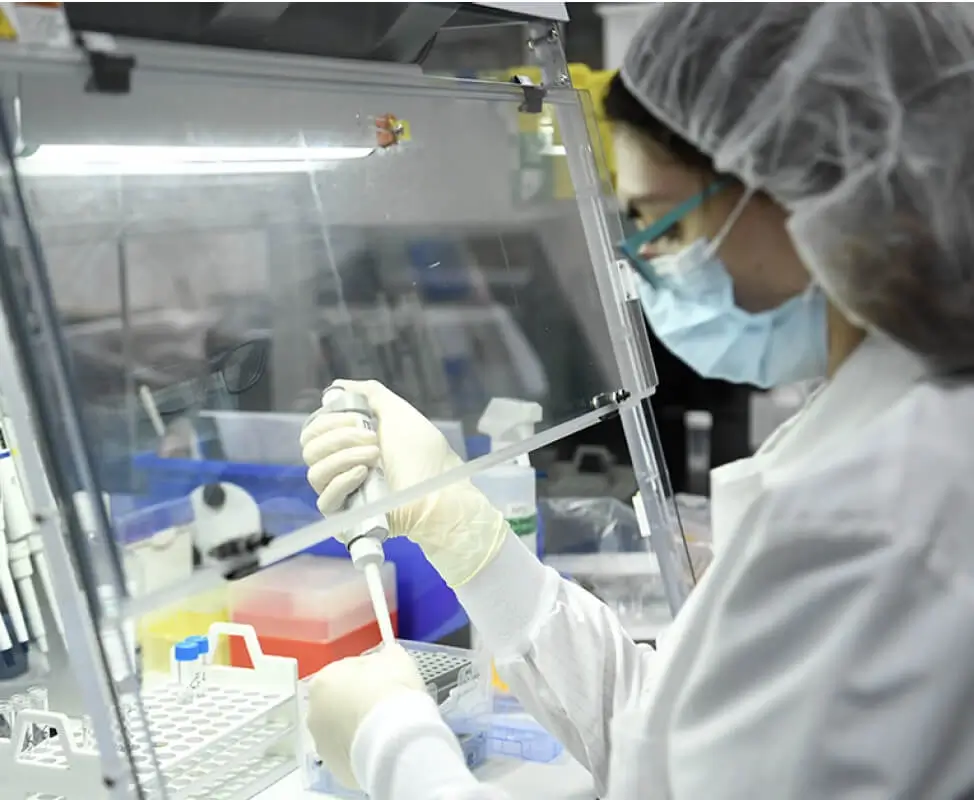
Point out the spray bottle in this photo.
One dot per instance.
(512, 487)
(365, 539)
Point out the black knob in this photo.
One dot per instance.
(214, 495)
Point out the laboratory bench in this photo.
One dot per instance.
(564, 779)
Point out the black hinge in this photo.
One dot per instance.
(533, 95)
(608, 402)
(111, 73)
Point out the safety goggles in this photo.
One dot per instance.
(231, 373)
(631, 245)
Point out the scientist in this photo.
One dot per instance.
(805, 173)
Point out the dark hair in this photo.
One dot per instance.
(621, 106)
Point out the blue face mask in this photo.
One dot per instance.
(689, 300)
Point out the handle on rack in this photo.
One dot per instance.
(27, 718)
(278, 670)
(245, 632)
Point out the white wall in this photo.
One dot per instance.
(621, 20)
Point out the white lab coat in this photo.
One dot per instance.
(829, 650)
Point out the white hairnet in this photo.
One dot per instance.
(858, 118)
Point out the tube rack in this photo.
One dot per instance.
(240, 735)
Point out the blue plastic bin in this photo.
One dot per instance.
(525, 740)
(136, 520)
(428, 608)
(171, 478)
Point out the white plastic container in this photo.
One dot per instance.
(512, 487)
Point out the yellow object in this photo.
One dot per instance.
(159, 631)
(594, 83)
(495, 679)
(35, 23)
(7, 29)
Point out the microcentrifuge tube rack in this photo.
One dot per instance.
(238, 737)
(461, 690)
(442, 669)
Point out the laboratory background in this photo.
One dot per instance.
(210, 212)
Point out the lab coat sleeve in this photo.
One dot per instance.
(837, 662)
(403, 751)
(564, 654)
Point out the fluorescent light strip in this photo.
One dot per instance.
(80, 160)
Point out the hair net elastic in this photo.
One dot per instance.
(858, 118)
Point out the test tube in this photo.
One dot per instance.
(88, 741)
(186, 657)
(698, 425)
(203, 648)
(37, 697)
(19, 704)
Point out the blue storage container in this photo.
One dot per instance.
(171, 478)
(428, 608)
(135, 520)
(523, 739)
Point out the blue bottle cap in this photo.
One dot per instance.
(186, 651)
(202, 643)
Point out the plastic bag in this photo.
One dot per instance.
(576, 525)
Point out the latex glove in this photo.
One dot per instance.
(458, 529)
(343, 693)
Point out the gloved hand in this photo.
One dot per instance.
(458, 529)
(343, 693)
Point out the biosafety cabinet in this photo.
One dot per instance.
(210, 212)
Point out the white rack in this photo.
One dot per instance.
(236, 737)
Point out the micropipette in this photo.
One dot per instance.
(34, 541)
(365, 540)
(152, 410)
(17, 526)
(373, 578)
(6, 643)
(7, 588)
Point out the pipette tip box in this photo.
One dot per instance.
(313, 609)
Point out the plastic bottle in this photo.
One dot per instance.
(512, 487)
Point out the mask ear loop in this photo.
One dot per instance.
(813, 285)
(732, 218)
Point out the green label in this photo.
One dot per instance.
(524, 526)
